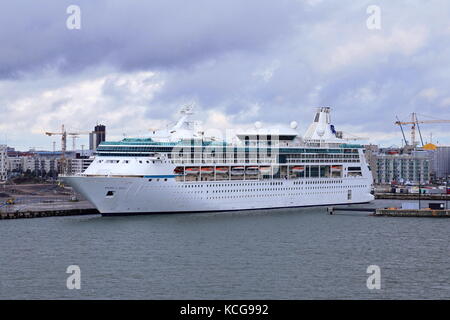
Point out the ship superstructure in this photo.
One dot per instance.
(182, 170)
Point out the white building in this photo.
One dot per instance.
(15, 164)
(44, 163)
(32, 163)
(40, 164)
(79, 165)
(3, 162)
(413, 168)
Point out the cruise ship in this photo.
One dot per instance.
(182, 170)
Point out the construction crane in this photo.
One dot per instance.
(415, 123)
(63, 133)
(401, 128)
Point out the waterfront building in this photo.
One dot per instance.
(406, 165)
(39, 163)
(393, 166)
(46, 163)
(15, 164)
(78, 165)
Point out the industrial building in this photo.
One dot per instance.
(441, 162)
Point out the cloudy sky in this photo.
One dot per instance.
(134, 63)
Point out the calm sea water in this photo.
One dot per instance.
(287, 254)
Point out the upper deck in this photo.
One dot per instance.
(197, 151)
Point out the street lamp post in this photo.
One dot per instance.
(419, 194)
(420, 181)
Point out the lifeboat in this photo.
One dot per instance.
(191, 171)
(222, 170)
(336, 168)
(298, 169)
(237, 171)
(252, 170)
(206, 170)
(265, 170)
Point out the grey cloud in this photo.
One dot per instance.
(134, 34)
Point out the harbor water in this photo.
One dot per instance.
(273, 254)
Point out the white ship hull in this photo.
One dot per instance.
(139, 195)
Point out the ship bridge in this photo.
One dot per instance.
(274, 135)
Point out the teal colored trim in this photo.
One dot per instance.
(357, 146)
(150, 149)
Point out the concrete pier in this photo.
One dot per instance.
(331, 210)
(41, 214)
(422, 213)
(24, 201)
(394, 212)
(412, 196)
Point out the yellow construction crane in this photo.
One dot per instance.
(415, 122)
(63, 133)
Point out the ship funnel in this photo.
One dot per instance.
(321, 128)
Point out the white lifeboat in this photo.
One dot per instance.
(265, 170)
(237, 171)
(206, 170)
(298, 169)
(222, 170)
(252, 170)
